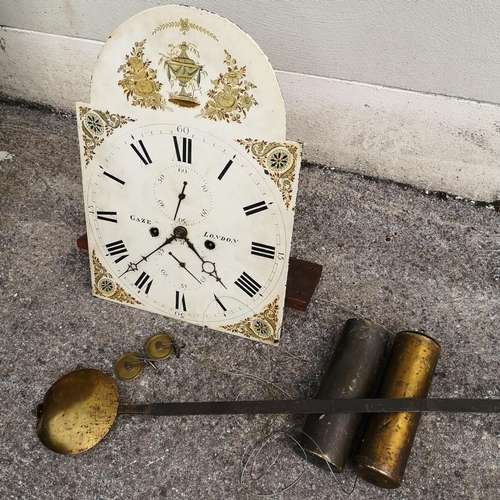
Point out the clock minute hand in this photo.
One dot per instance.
(133, 266)
(165, 243)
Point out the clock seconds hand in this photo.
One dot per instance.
(133, 266)
(207, 267)
(181, 197)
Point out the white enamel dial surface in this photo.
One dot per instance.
(187, 225)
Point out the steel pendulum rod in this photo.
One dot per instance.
(306, 406)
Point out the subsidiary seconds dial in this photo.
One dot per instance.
(182, 194)
(187, 225)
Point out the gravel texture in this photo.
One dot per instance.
(398, 256)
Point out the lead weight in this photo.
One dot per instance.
(326, 438)
(388, 437)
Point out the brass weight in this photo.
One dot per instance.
(128, 366)
(159, 347)
(388, 437)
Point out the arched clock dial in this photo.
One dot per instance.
(188, 226)
(189, 183)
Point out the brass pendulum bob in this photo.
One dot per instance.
(84, 400)
(79, 409)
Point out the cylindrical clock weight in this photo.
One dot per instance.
(326, 438)
(388, 437)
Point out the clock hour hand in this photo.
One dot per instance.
(209, 268)
(206, 266)
(181, 197)
(133, 266)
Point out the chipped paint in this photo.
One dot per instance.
(4, 155)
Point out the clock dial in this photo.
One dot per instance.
(187, 225)
(189, 184)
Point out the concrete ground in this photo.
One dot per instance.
(404, 258)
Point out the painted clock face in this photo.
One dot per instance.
(189, 184)
(185, 225)
(174, 60)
